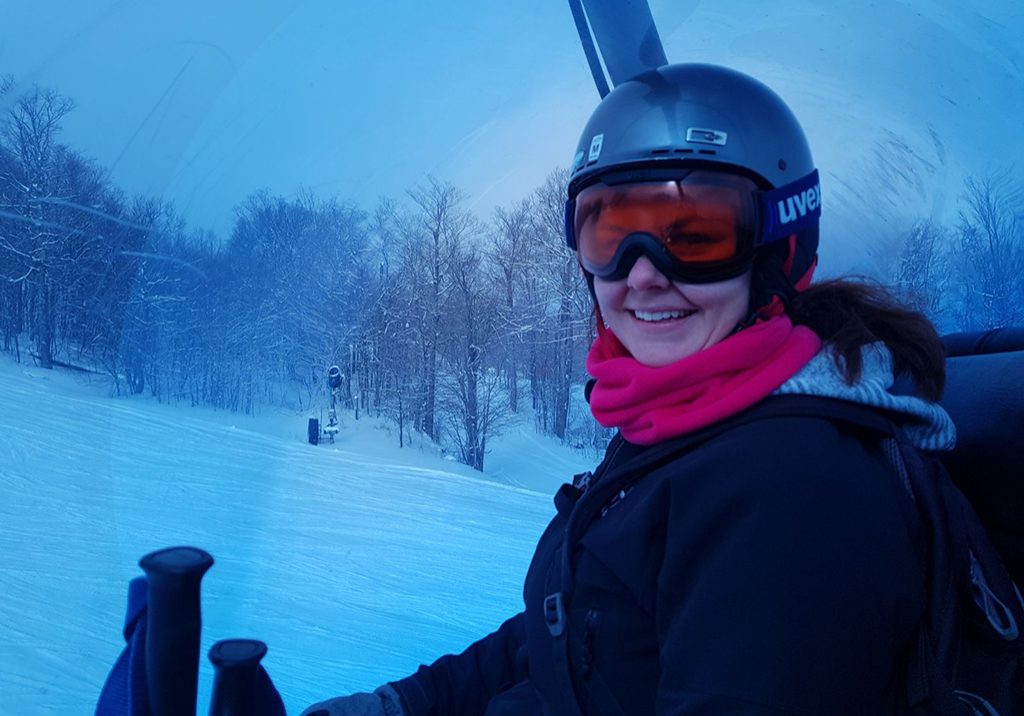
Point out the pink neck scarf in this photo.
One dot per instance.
(651, 404)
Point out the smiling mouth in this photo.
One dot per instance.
(656, 316)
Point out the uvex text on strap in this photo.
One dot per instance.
(790, 208)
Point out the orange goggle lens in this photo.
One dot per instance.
(704, 223)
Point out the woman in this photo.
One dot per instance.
(744, 546)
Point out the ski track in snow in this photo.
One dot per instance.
(354, 566)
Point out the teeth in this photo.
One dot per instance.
(660, 315)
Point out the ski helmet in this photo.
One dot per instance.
(706, 116)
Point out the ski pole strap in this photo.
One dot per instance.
(124, 693)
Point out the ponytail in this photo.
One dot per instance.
(848, 314)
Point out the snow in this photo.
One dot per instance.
(355, 562)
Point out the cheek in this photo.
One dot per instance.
(734, 306)
(609, 294)
(729, 299)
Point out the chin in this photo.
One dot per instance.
(656, 358)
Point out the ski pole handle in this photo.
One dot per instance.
(173, 628)
(236, 682)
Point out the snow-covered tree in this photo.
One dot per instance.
(507, 246)
(475, 399)
(989, 253)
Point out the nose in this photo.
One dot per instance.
(645, 275)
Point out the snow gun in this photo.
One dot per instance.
(157, 673)
(316, 429)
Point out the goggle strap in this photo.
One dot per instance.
(790, 208)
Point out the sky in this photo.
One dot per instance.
(204, 103)
(354, 562)
(207, 102)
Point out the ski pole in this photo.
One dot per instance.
(173, 627)
(241, 687)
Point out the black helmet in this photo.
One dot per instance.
(698, 115)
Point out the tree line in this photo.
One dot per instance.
(443, 322)
(968, 276)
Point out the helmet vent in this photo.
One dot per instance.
(707, 151)
(684, 151)
(659, 151)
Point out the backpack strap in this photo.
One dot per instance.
(970, 597)
(985, 397)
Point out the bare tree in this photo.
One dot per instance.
(508, 253)
(476, 406)
(438, 224)
(34, 246)
(557, 349)
(990, 253)
(918, 274)
(158, 287)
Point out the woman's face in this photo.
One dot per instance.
(661, 321)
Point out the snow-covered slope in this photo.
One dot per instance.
(354, 562)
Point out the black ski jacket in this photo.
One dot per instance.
(765, 565)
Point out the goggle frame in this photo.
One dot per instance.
(781, 212)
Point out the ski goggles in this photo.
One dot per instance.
(696, 226)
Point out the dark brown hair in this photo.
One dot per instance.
(848, 314)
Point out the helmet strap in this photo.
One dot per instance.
(770, 287)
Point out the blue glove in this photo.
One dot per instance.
(385, 701)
